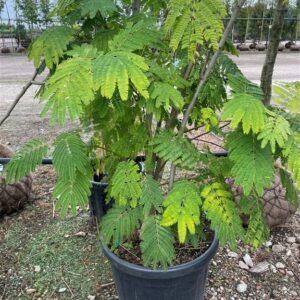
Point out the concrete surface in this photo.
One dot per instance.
(16, 70)
(287, 67)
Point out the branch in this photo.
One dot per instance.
(204, 78)
(209, 142)
(205, 133)
(22, 93)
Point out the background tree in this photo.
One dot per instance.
(44, 10)
(275, 36)
(1, 5)
(29, 11)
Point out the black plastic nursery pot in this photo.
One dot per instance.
(183, 282)
(97, 204)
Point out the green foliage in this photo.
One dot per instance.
(151, 197)
(69, 89)
(258, 230)
(70, 155)
(178, 150)
(126, 184)
(182, 208)
(26, 160)
(71, 193)
(193, 23)
(119, 223)
(131, 142)
(222, 212)
(214, 92)
(288, 95)
(291, 192)
(292, 153)
(83, 51)
(136, 36)
(51, 46)
(239, 84)
(91, 7)
(220, 166)
(114, 69)
(71, 161)
(208, 118)
(247, 110)
(102, 38)
(166, 95)
(157, 244)
(252, 165)
(276, 130)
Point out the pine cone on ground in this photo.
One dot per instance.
(276, 206)
(13, 197)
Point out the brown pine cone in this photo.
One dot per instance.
(13, 197)
(276, 206)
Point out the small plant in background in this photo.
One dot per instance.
(140, 84)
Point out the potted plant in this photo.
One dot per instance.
(144, 84)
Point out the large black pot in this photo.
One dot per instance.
(182, 282)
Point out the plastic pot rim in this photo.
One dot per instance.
(171, 272)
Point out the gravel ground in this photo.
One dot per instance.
(230, 276)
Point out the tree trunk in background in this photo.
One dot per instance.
(275, 36)
(136, 6)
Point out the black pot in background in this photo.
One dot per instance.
(183, 282)
(97, 203)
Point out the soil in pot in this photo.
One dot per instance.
(183, 253)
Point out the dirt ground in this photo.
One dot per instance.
(44, 257)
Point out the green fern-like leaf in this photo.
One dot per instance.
(276, 131)
(247, 110)
(131, 141)
(72, 192)
(258, 229)
(151, 195)
(71, 161)
(50, 45)
(91, 7)
(178, 150)
(119, 223)
(69, 89)
(193, 23)
(291, 192)
(26, 160)
(136, 36)
(222, 211)
(102, 38)
(168, 74)
(239, 84)
(252, 165)
(70, 155)
(64, 8)
(157, 244)
(182, 208)
(288, 95)
(166, 95)
(114, 69)
(83, 51)
(126, 184)
(292, 154)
